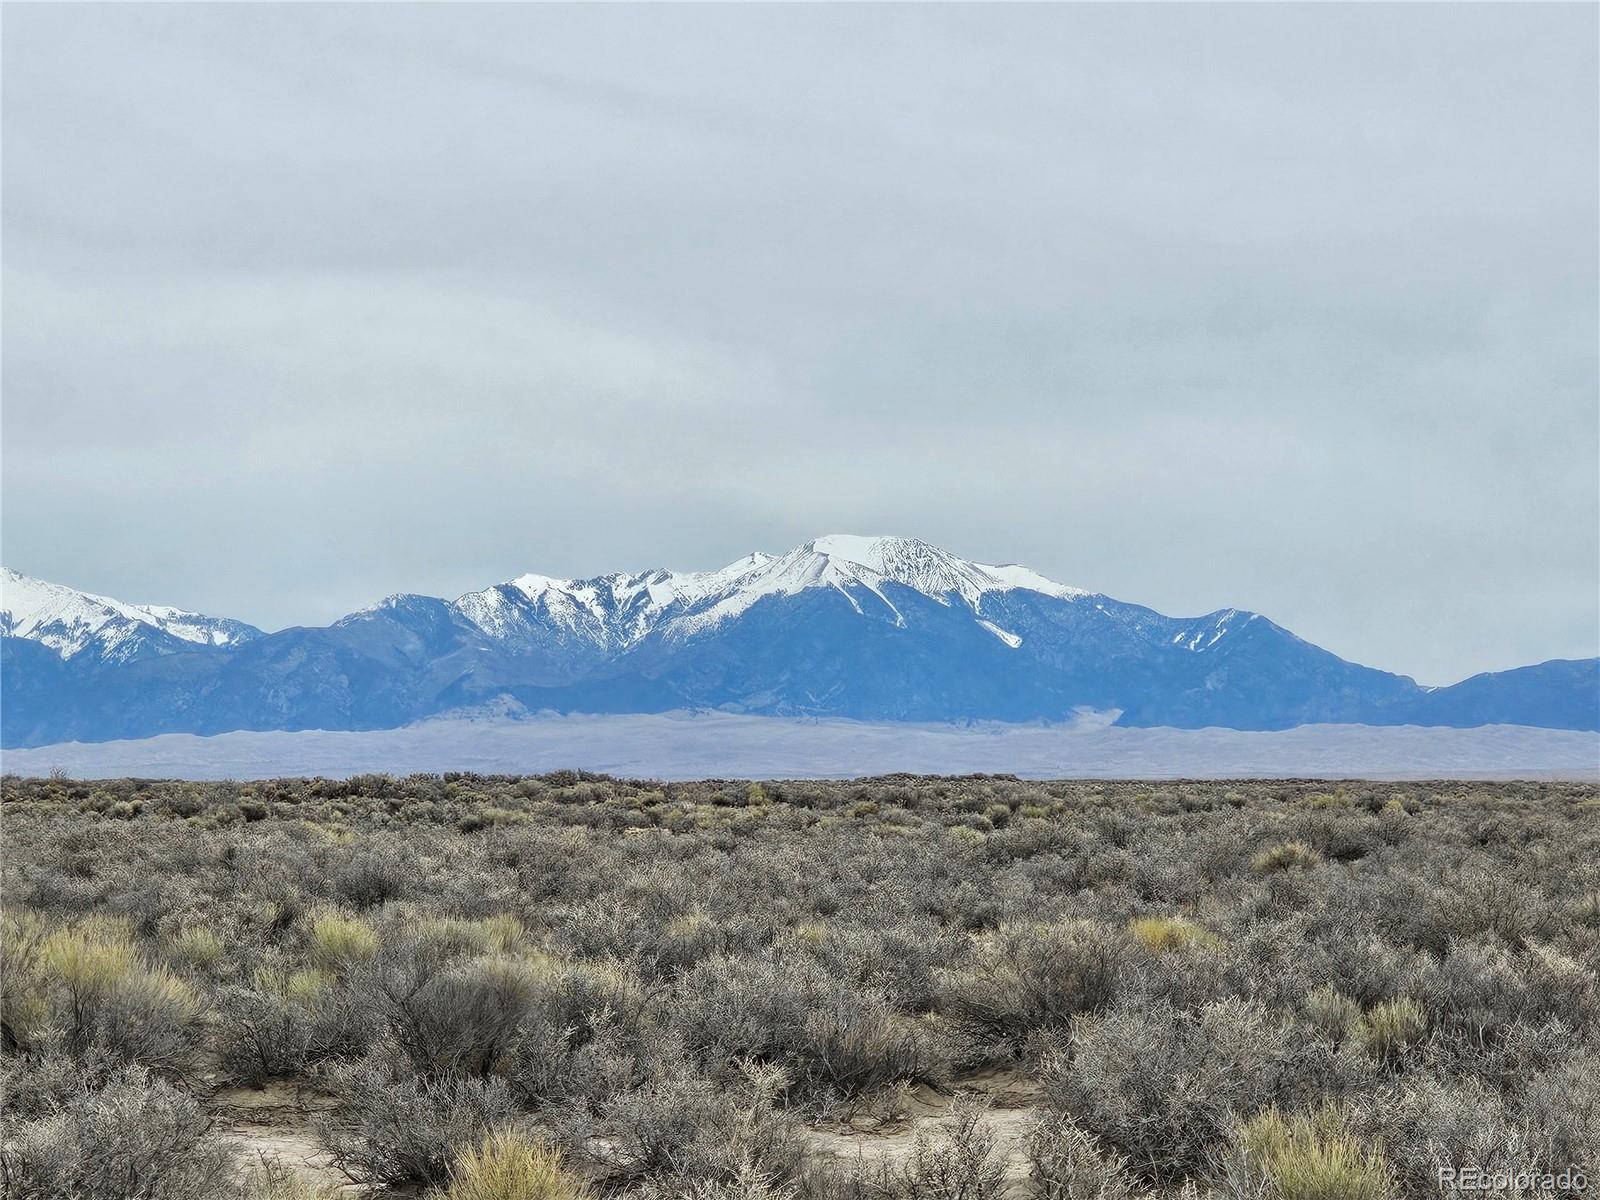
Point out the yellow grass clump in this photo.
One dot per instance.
(1286, 856)
(270, 1180)
(689, 924)
(1391, 1028)
(195, 946)
(499, 934)
(89, 956)
(339, 940)
(517, 978)
(67, 977)
(298, 987)
(23, 1006)
(508, 1165)
(1313, 1157)
(503, 933)
(156, 989)
(1334, 1013)
(811, 933)
(1162, 934)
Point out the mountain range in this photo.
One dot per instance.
(872, 628)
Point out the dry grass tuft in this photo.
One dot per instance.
(508, 1165)
(1161, 934)
(1286, 856)
(195, 946)
(1391, 1028)
(1313, 1158)
(90, 956)
(340, 940)
(1333, 1013)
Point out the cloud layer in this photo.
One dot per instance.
(1285, 307)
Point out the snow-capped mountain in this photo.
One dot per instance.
(611, 612)
(875, 628)
(74, 623)
(615, 612)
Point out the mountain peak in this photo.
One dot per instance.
(69, 621)
(914, 563)
(851, 563)
(873, 551)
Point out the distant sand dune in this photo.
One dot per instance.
(699, 745)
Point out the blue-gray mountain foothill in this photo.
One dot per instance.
(868, 628)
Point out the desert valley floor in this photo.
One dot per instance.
(897, 988)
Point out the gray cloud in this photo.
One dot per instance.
(1285, 307)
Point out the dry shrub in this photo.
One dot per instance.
(1561, 1111)
(392, 1126)
(137, 1137)
(1432, 1123)
(462, 1020)
(681, 1125)
(748, 1184)
(151, 1017)
(1163, 1085)
(960, 1164)
(828, 1037)
(1486, 898)
(287, 1020)
(1068, 1164)
(374, 877)
(1026, 979)
(855, 1045)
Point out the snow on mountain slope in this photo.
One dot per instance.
(1008, 638)
(611, 612)
(70, 622)
(848, 561)
(1205, 632)
(617, 611)
(930, 570)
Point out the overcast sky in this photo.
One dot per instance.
(1285, 308)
